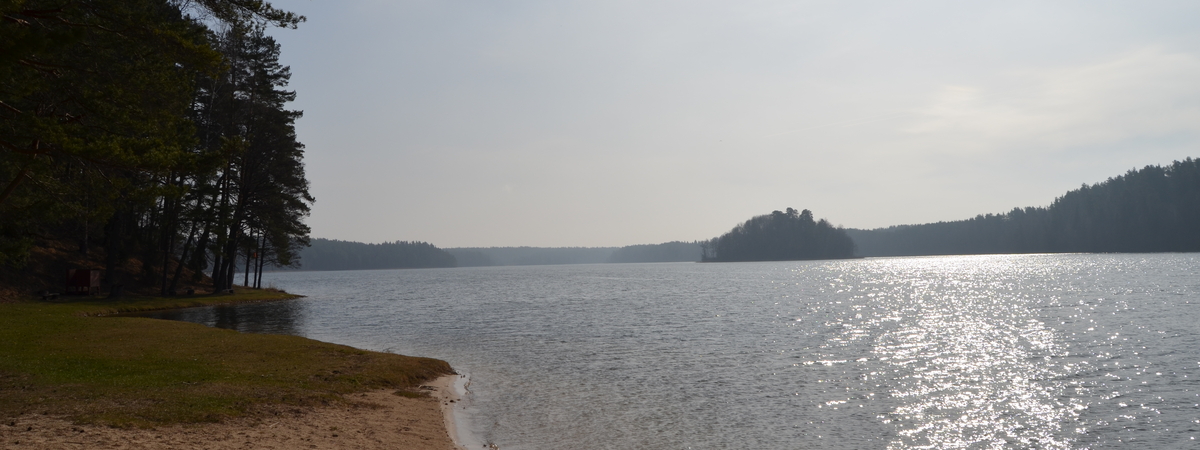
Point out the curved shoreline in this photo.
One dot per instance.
(75, 380)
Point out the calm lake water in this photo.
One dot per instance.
(1023, 351)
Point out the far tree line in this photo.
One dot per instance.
(1154, 209)
(331, 254)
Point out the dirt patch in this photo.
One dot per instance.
(9, 294)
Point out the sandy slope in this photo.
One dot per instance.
(382, 421)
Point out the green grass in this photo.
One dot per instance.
(61, 358)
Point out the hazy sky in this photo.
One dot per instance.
(563, 123)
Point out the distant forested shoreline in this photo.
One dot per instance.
(1155, 209)
(332, 254)
(675, 251)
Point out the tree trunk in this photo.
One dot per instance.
(187, 245)
(262, 258)
(219, 260)
(113, 252)
(249, 254)
(200, 255)
(170, 220)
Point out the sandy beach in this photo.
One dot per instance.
(374, 420)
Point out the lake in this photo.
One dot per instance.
(1000, 351)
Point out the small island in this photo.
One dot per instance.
(780, 236)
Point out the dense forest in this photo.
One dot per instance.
(326, 254)
(147, 138)
(1155, 209)
(780, 236)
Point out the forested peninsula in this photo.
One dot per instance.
(331, 254)
(780, 236)
(1155, 209)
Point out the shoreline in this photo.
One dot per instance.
(449, 391)
(378, 419)
(74, 378)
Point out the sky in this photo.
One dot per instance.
(608, 123)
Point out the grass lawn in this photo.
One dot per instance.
(64, 358)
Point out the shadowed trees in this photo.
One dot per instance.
(133, 129)
(261, 195)
(93, 112)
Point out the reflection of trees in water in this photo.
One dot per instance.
(271, 318)
(257, 318)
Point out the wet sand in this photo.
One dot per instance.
(376, 420)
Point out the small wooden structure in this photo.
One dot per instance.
(83, 282)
